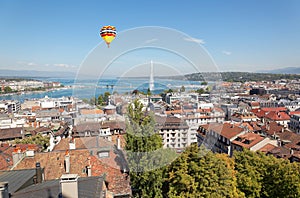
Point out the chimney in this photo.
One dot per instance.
(17, 155)
(89, 167)
(67, 162)
(4, 190)
(97, 141)
(30, 151)
(118, 143)
(69, 185)
(279, 143)
(38, 172)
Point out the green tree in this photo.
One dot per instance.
(7, 89)
(149, 92)
(266, 176)
(106, 97)
(85, 100)
(199, 173)
(251, 169)
(208, 89)
(43, 141)
(200, 91)
(100, 100)
(282, 179)
(93, 101)
(178, 181)
(142, 143)
(204, 83)
(169, 91)
(182, 89)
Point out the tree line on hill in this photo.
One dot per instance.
(197, 172)
(239, 76)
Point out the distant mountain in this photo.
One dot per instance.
(34, 73)
(285, 70)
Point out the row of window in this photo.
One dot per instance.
(178, 145)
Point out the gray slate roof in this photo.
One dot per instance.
(17, 178)
(88, 187)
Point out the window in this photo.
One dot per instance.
(103, 154)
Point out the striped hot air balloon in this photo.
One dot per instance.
(108, 33)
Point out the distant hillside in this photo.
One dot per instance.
(286, 70)
(34, 73)
(207, 76)
(240, 76)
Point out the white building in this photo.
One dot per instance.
(174, 132)
(63, 102)
(3, 107)
(10, 106)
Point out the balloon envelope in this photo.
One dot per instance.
(108, 34)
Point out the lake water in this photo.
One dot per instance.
(93, 88)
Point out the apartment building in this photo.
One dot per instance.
(174, 132)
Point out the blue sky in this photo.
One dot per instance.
(239, 35)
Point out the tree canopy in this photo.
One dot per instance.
(141, 144)
(38, 139)
(197, 172)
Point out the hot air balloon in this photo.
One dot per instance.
(108, 33)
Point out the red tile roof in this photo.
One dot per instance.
(267, 148)
(294, 113)
(244, 115)
(7, 150)
(248, 140)
(84, 154)
(91, 111)
(255, 126)
(227, 130)
(5, 156)
(292, 139)
(277, 116)
(272, 128)
(254, 104)
(259, 113)
(268, 109)
(174, 112)
(245, 124)
(280, 152)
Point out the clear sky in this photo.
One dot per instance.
(241, 35)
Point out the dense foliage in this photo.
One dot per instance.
(198, 172)
(141, 145)
(43, 141)
(265, 176)
(240, 76)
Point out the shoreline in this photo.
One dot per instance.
(38, 91)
